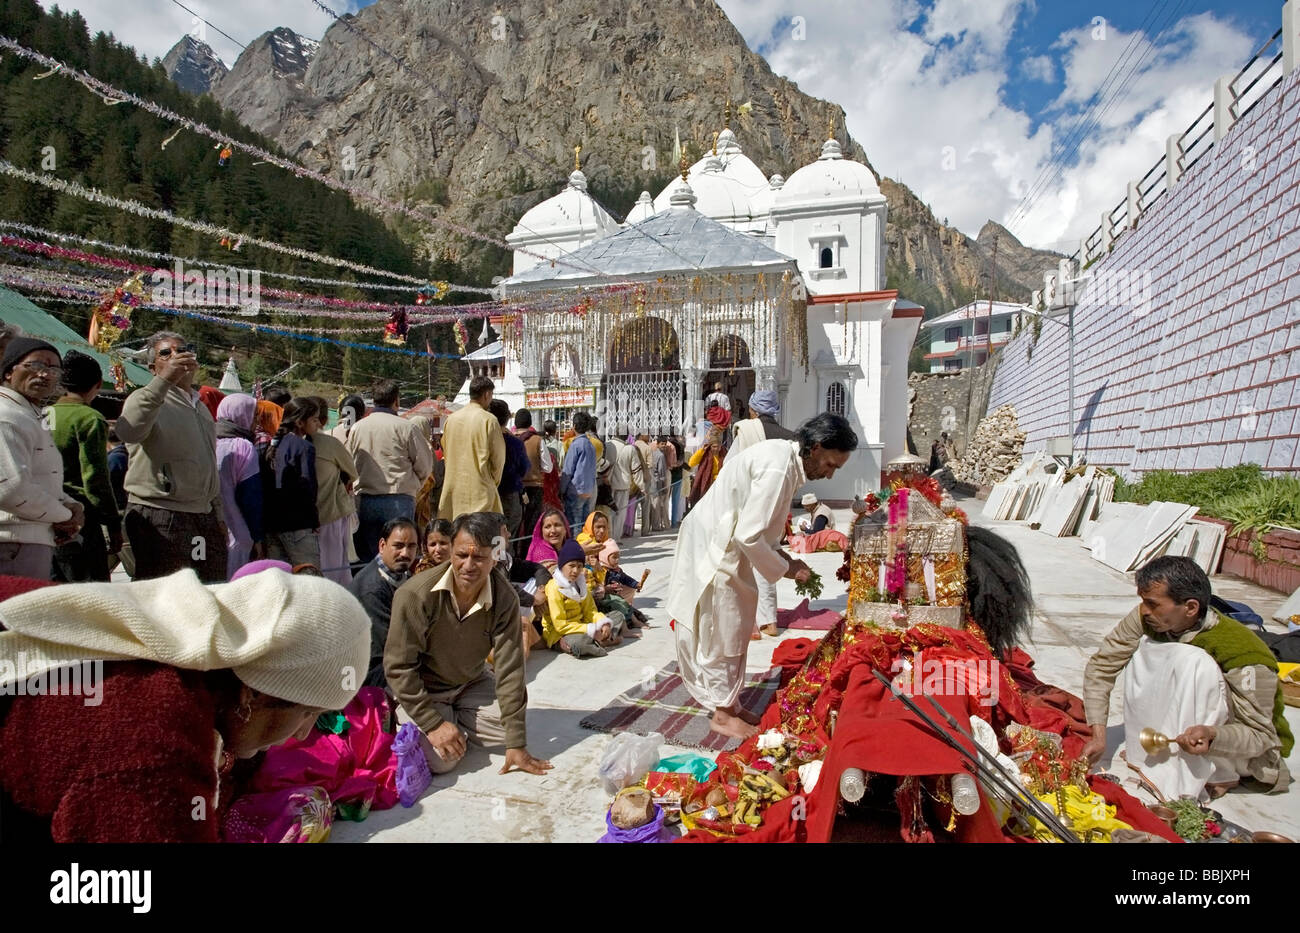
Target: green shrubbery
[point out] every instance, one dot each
(1242, 495)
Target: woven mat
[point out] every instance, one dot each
(668, 708)
(805, 619)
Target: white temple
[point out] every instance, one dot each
(726, 276)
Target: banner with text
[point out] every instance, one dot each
(561, 398)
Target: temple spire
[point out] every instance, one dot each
(577, 152)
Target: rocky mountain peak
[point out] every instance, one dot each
(482, 122)
(193, 65)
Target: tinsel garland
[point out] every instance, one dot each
(77, 190)
(446, 314)
(108, 262)
(81, 294)
(112, 95)
(363, 284)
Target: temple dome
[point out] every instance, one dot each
(571, 212)
(831, 177)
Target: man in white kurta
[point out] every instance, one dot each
(731, 535)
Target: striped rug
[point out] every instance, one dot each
(665, 706)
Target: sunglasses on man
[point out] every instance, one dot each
(168, 351)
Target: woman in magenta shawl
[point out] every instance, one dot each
(549, 534)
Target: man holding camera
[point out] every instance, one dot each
(173, 515)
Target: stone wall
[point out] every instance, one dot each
(1187, 335)
(952, 402)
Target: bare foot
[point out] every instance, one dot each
(748, 716)
(727, 724)
(756, 636)
(770, 629)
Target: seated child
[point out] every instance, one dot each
(612, 593)
(572, 623)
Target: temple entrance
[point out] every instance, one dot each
(730, 365)
(643, 387)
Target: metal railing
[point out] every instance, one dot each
(1251, 84)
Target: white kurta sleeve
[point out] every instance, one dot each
(763, 519)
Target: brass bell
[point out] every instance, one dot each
(1153, 742)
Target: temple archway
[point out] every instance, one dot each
(561, 367)
(731, 366)
(643, 386)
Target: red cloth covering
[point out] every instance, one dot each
(1129, 809)
(17, 586)
(358, 767)
(790, 655)
(875, 732)
(828, 539)
(719, 416)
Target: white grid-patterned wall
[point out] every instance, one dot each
(1187, 336)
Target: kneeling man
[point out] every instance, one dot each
(1194, 675)
(445, 620)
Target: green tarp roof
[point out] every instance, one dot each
(36, 322)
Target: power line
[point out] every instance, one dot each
(1122, 91)
(1077, 127)
(206, 23)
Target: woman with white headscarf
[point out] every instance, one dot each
(123, 706)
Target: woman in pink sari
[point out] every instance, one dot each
(549, 534)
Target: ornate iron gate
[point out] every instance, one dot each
(646, 403)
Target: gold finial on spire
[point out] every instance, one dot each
(684, 167)
(726, 114)
(715, 143)
(830, 127)
(577, 151)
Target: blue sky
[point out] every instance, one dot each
(969, 102)
(966, 101)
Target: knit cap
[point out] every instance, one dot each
(299, 638)
(18, 348)
(570, 550)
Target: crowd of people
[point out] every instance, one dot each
(446, 557)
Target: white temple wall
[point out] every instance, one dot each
(855, 235)
(900, 334)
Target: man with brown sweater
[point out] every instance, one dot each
(173, 515)
(444, 622)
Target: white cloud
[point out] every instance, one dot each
(909, 95)
(154, 27)
(1039, 68)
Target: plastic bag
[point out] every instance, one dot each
(413, 774)
(627, 759)
(697, 766)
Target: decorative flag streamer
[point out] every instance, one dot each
(135, 207)
(113, 95)
(190, 260)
